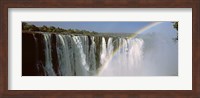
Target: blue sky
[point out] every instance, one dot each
(115, 27)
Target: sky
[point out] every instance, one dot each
(111, 27)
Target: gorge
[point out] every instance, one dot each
(145, 54)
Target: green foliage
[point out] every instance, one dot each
(28, 27)
(51, 29)
(175, 25)
(43, 28)
(24, 26)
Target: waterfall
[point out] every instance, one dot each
(109, 47)
(64, 57)
(150, 53)
(127, 59)
(92, 56)
(82, 67)
(103, 51)
(119, 56)
(48, 59)
(76, 55)
(147, 54)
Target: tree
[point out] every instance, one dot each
(31, 27)
(71, 31)
(51, 29)
(175, 25)
(24, 24)
(44, 28)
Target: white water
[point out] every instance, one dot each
(109, 47)
(152, 53)
(127, 60)
(48, 59)
(103, 51)
(63, 51)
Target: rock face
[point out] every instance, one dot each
(65, 55)
(33, 56)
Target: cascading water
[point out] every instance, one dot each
(103, 51)
(64, 55)
(48, 59)
(109, 47)
(126, 60)
(150, 53)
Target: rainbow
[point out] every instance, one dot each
(131, 36)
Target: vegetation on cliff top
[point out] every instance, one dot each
(52, 29)
(30, 27)
(175, 24)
